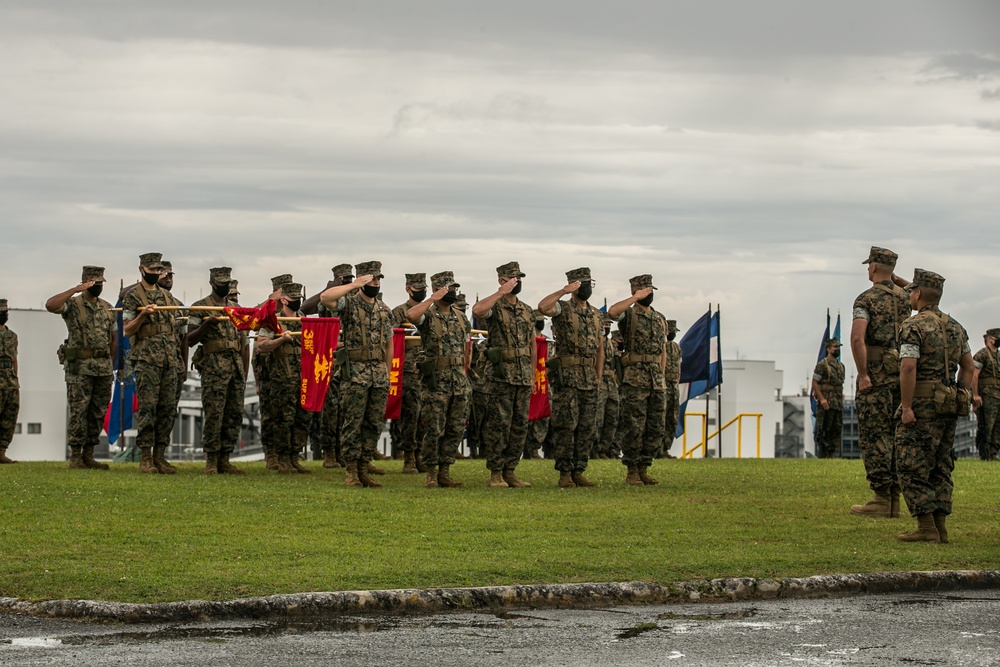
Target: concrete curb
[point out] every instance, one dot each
(565, 596)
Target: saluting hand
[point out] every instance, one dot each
(85, 286)
(572, 287)
(362, 281)
(643, 293)
(508, 286)
(439, 294)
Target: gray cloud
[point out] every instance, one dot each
(990, 95)
(964, 66)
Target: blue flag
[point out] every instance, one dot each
(701, 364)
(122, 406)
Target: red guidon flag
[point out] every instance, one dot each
(252, 319)
(319, 340)
(395, 400)
(539, 408)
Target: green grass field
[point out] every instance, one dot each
(122, 536)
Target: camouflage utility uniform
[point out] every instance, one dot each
(987, 362)
(829, 375)
(10, 389)
(608, 401)
(671, 376)
(410, 436)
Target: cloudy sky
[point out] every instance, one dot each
(744, 153)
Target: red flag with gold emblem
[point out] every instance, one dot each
(319, 340)
(395, 401)
(539, 407)
(252, 319)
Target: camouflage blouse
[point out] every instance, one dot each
(511, 328)
(578, 332)
(649, 339)
(924, 337)
(988, 364)
(830, 376)
(99, 325)
(443, 335)
(8, 353)
(284, 363)
(156, 342)
(368, 326)
(412, 346)
(672, 372)
(219, 352)
(884, 306)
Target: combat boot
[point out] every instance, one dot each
(351, 474)
(146, 461)
(372, 470)
(285, 466)
(632, 478)
(419, 462)
(879, 507)
(211, 463)
(566, 480)
(646, 479)
(496, 480)
(580, 480)
(409, 464)
(939, 523)
(513, 481)
(88, 460)
(363, 469)
(894, 504)
(76, 459)
(444, 477)
(329, 460)
(293, 459)
(432, 478)
(926, 531)
(227, 468)
(379, 456)
(160, 461)
(3, 456)
(271, 461)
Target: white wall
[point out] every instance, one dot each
(43, 386)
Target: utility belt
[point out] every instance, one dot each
(988, 382)
(498, 355)
(831, 390)
(6, 364)
(630, 358)
(444, 362)
(569, 360)
(412, 345)
(222, 344)
(366, 355)
(887, 356)
(81, 353)
(948, 401)
(287, 350)
(149, 329)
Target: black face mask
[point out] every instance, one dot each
(150, 278)
(419, 296)
(221, 291)
(295, 305)
(539, 326)
(95, 289)
(517, 288)
(371, 291)
(585, 291)
(646, 301)
(672, 335)
(450, 298)
(3, 318)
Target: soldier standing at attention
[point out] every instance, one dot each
(166, 281)
(90, 346)
(233, 299)
(828, 392)
(672, 376)
(157, 362)
(510, 375)
(363, 362)
(643, 391)
(445, 386)
(10, 389)
(607, 399)
(221, 360)
(290, 421)
(261, 374)
(878, 313)
(933, 346)
(986, 394)
(409, 412)
(575, 373)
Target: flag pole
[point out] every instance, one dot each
(708, 370)
(718, 387)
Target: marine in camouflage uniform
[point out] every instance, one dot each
(574, 373)
(329, 430)
(166, 281)
(157, 363)
(878, 313)
(828, 391)
(510, 375)
(672, 377)
(608, 400)
(643, 390)
(409, 412)
(87, 353)
(290, 421)
(221, 361)
(363, 363)
(261, 373)
(933, 346)
(986, 394)
(445, 388)
(10, 389)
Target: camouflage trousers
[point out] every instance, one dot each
(10, 405)
(574, 427)
(362, 417)
(608, 402)
(829, 431)
(923, 460)
(506, 426)
(156, 389)
(538, 433)
(876, 430)
(640, 427)
(88, 397)
(444, 416)
(990, 415)
(410, 433)
(672, 414)
(222, 411)
(329, 429)
(477, 421)
(289, 420)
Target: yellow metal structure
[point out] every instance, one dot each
(706, 436)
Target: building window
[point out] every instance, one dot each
(17, 428)
(34, 429)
